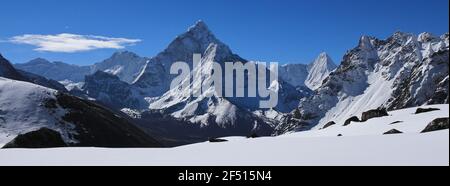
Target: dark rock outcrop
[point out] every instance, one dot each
(217, 140)
(253, 135)
(100, 127)
(437, 124)
(329, 124)
(42, 138)
(350, 120)
(111, 91)
(393, 131)
(424, 110)
(373, 114)
(396, 122)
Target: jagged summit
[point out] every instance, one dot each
(427, 37)
(323, 59)
(401, 71)
(155, 78)
(196, 39)
(199, 26)
(319, 70)
(124, 53)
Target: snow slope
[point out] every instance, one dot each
(22, 110)
(362, 144)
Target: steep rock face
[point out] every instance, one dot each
(8, 71)
(111, 91)
(401, 71)
(294, 74)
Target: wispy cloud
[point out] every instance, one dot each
(70, 43)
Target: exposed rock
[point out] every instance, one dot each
(97, 126)
(396, 122)
(437, 124)
(350, 120)
(111, 91)
(423, 110)
(253, 135)
(373, 114)
(329, 124)
(339, 135)
(42, 138)
(393, 131)
(417, 68)
(217, 140)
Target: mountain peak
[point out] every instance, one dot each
(199, 26)
(39, 61)
(196, 40)
(319, 70)
(200, 32)
(323, 60)
(366, 42)
(426, 37)
(324, 56)
(124, 53)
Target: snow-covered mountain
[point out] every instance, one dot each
(294, 74)
(7, 70)
(319, 70)
(26, 107)
(220, 115)
(113, 92)
(311, 76)
(126, 65)
(58, 71)
(402, 71)
(212, 115)
(156, 78)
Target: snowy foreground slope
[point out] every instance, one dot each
(26, 107)
(361, 144)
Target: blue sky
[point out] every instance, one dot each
(293, 31)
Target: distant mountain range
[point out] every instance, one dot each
(400, 72)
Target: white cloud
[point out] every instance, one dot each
(70, 43)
